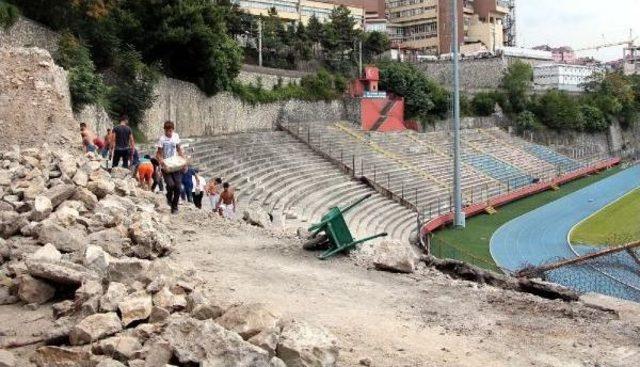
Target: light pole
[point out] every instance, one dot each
(459, 219)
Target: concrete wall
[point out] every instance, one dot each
(27, 33)
(268, 77)
(195, 114)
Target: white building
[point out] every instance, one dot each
(562, 76)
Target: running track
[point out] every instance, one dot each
(540, 236)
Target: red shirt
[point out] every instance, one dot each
(99, 143)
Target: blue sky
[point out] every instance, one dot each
(578, 23)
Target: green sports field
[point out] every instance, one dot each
(472, 243)
(616, 224)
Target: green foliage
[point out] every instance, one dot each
(131, 92)
(592, 119)
(322, 86)
(9, 15)
(516, 83)
(85, 85)
(484, 103)
(425, 100)
(558, 110)
(526, 121)
(374, 44)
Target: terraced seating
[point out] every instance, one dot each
(288, 179)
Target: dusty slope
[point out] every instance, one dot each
(425, 319)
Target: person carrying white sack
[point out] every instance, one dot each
(172, 159)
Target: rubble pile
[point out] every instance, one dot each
(92, 246)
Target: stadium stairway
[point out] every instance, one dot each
(283, 175)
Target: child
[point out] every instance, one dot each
(145, 172)
(213, 192)
(199, 184)
(226, 206)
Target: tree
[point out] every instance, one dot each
(187, 38)
(526, 121)
(557, 110)
(484, 104)
(516, 83)
(374, 44)
(314, 29)
(424, 99)
(85, 85)
(339, 39)
(592, 119)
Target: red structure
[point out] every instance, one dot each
(379, 111)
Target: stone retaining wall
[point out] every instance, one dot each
(28, 33)
(195, 114)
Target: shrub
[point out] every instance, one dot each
(592, 119)
(526, 121)
(558, 110)
(85, 85)
(131, 91)
(9, 15)
(516, 84)
(484, 104)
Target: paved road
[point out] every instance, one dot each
(540, 236)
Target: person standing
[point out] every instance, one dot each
(122, 143)
(168, 146)
(88, 145)
(107, 144)
(187, 184)
(199, 186)
(213, 191)
(227, 204)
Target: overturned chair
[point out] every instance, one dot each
(333, 235)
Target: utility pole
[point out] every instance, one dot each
(360, 58)
(260, 42)
(459, 219)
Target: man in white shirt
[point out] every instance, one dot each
(199, 186)
(168, 146)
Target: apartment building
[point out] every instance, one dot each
(426, 25)
(301, 10)
(564, 77)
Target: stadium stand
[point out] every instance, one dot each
(300, 172)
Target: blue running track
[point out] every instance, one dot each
(540, 236)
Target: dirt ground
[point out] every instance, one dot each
(423, 319)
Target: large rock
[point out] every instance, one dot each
(60, 193)
(42, 207)
(48, 252)
(81, 178)
(95, 258)
(126, 270)
(248, 320)
(135, 307)
(7, 359)
(267, 339)
(121, 348)
(101, 188)
(95, 327)
(303, 345)
(110, 211)
(256, 215)
(64, 239)
(169, 301)
(159, 353)
(11, 222)
(112, 240)
(32, 290)
(89, 289)
(209, 344)
(50, 356)
(60, 272)
(150, 239)
(108, 362)
(66, 216)
(116, 293)
(395, 256)
(88, 198)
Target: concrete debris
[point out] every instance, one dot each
(302, 344)
(248, 320)
(50, 356)
(135, 307)
(95, 327)
(257, 216)
(395, 256)
(32, 290)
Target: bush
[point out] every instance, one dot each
(131, 92)
(516, 84)
(425, 100)
(526, 121)
(9, 15)
(484, 104)
(558, 110)
(85, 85)
(592, 119)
